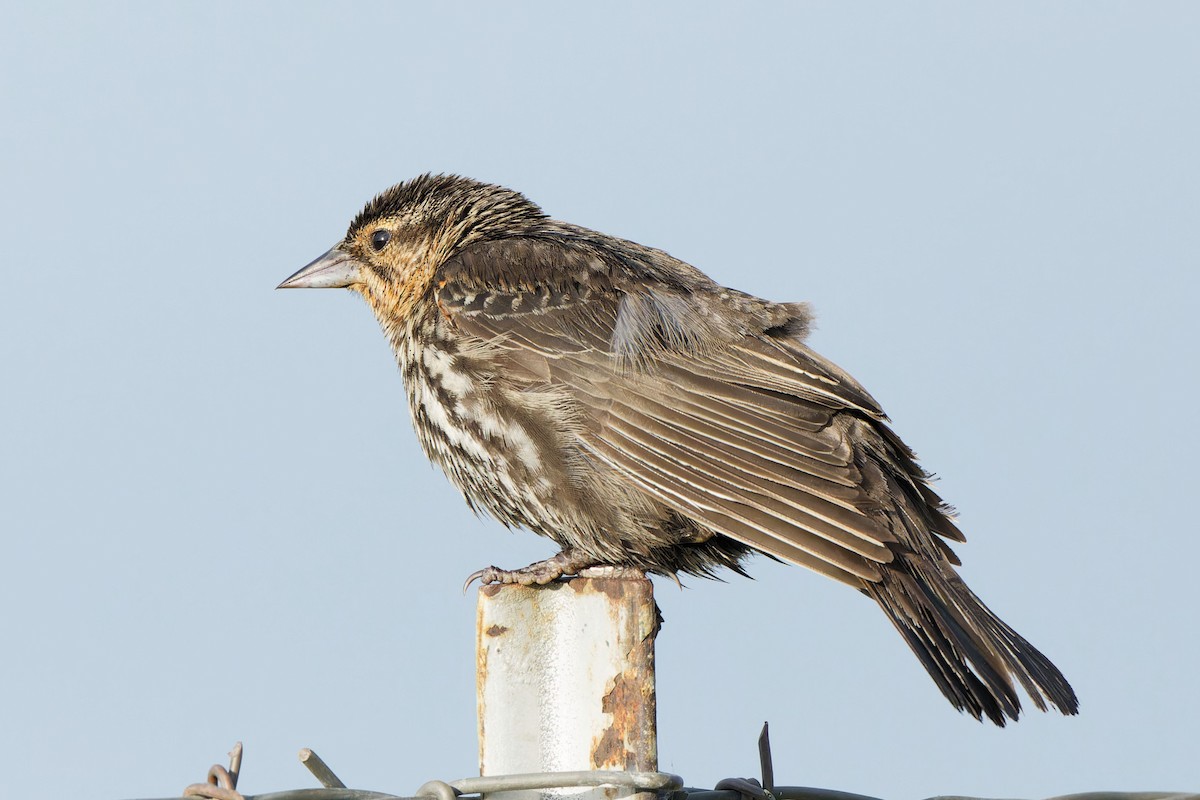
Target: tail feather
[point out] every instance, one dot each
(970, 653)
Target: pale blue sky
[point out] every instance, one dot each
(217, 524)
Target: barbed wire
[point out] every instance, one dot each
(221, 784)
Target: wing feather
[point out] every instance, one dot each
(759, 467)
(796, 515)
(744, 436)
(725, 518)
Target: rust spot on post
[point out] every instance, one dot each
(496, 630)
(630, 742)
(615, 588)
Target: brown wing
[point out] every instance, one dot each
(707, 400)
(744, 430)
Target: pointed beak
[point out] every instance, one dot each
(335, 269)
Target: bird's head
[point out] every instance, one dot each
(393, 248)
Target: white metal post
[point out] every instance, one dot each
(566, 680)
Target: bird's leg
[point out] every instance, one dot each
(539, 573)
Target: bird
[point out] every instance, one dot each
(621, 403)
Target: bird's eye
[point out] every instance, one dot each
(380, 238)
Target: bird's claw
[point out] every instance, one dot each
(538, 573)
(478, 575)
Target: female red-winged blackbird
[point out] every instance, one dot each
(618, 401)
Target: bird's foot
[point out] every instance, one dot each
(539, 573)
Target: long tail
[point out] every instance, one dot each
(971, 653)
